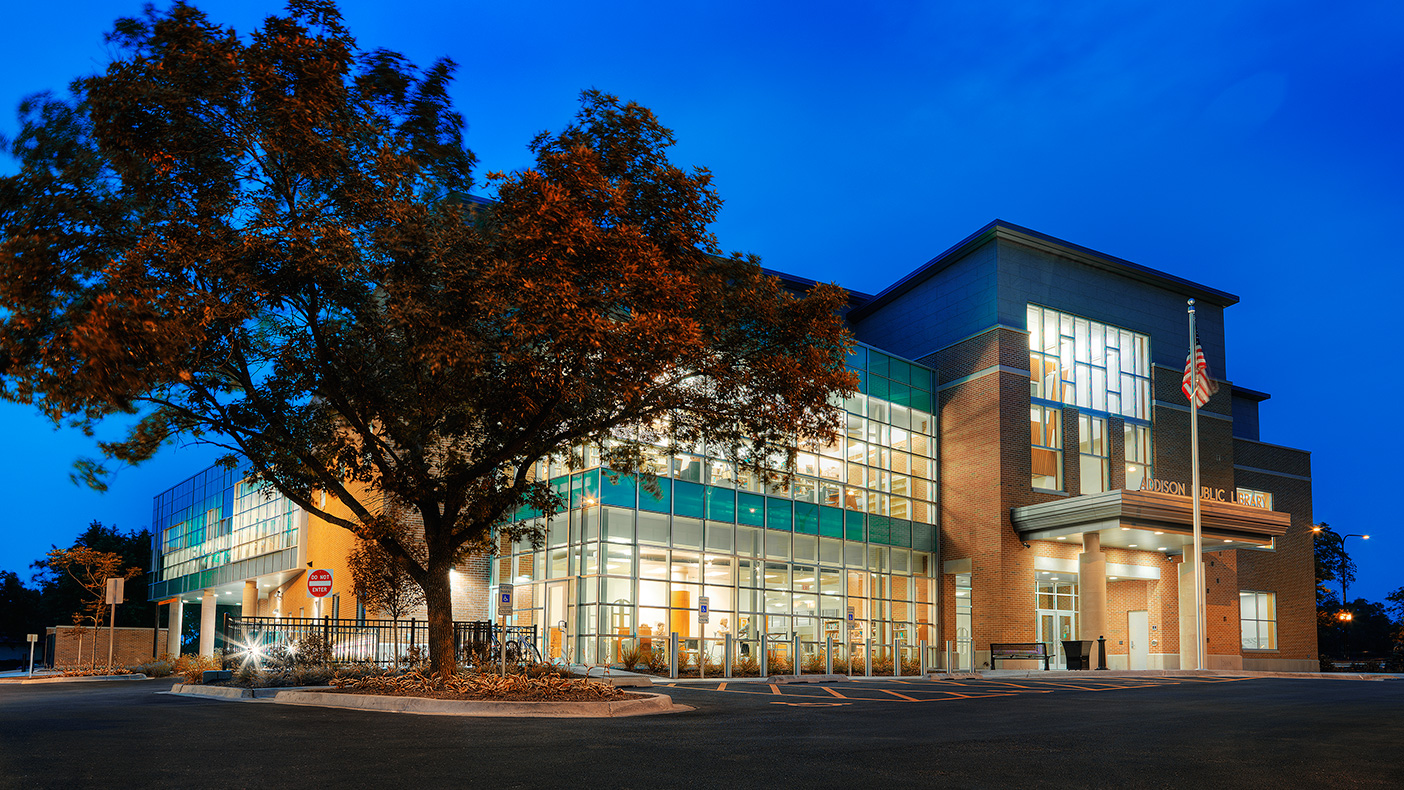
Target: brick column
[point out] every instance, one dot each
(1092, 587)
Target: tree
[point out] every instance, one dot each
(263, 243)
(89, 569)
(61, 595)
(383, 585)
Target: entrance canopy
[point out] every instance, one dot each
(1150, 521)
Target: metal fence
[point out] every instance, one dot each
(386, 642)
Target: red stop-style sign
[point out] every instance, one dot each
(319, 582)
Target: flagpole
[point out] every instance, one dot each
(1199, 649)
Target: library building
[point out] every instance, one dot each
(1014, 470)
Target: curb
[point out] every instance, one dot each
(63, 679)
(652, 703)
(234, 692)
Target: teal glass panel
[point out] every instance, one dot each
(721, 504)
(878, 387)
(621, 493)
(901, 532)
(862, 382)
(688, 499)
(777, 514)
(661, 502)
(921, 379)
(877, 363)
(830, 522)
(750, 509)
(590, 488)
(899, 371)
(852, 525)
(922, 401)
(878, 529)
(560, 486)
(923, 537)
(807, 518)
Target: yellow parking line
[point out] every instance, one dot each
(722, 687)
(835, 693)
(903, 696)
(774, 689)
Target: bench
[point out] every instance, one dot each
(1019, 650)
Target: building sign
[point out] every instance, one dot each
(1242, 496)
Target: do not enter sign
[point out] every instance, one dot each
(319, 582)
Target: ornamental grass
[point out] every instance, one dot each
(481, 686)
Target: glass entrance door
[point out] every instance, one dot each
(1056, 597)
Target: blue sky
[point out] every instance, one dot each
(1254, 147)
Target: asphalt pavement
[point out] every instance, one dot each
(1169, 732)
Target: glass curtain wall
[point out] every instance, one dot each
(1104, 371)
(216, 518)
(855, 529)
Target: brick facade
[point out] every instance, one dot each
(985, 472)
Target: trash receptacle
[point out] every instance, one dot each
(1078, 653)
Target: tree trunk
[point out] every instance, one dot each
(438, 598)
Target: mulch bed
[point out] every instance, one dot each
(491, 698)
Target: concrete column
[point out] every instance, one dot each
(250, 599)
(1092, 587)
(175, 622)
(1189, 657)
(207, 623)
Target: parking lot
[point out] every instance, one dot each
(901, 690)
(1113, 732)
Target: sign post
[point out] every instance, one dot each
(504, 608)
(848, 640)
(116, 587)
(32, 639)
(703, 616)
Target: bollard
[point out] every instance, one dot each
(922, 658)
(829, 655)
(764, 656)
(1101, 652)
(726, 655)
(868, 657)
(949, 667)
(896, 658)
(795, 656)
(673, 655)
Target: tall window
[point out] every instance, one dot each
(1047, 442)
(1138, 455)
(1088, 364)
(1094, 453)
(1258, 619)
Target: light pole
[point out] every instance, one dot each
(1343, 563)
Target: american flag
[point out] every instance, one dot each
(1199, 387)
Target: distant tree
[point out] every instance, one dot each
(383, 585)
(262, 243)
(1396, 605)
(19, 608)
